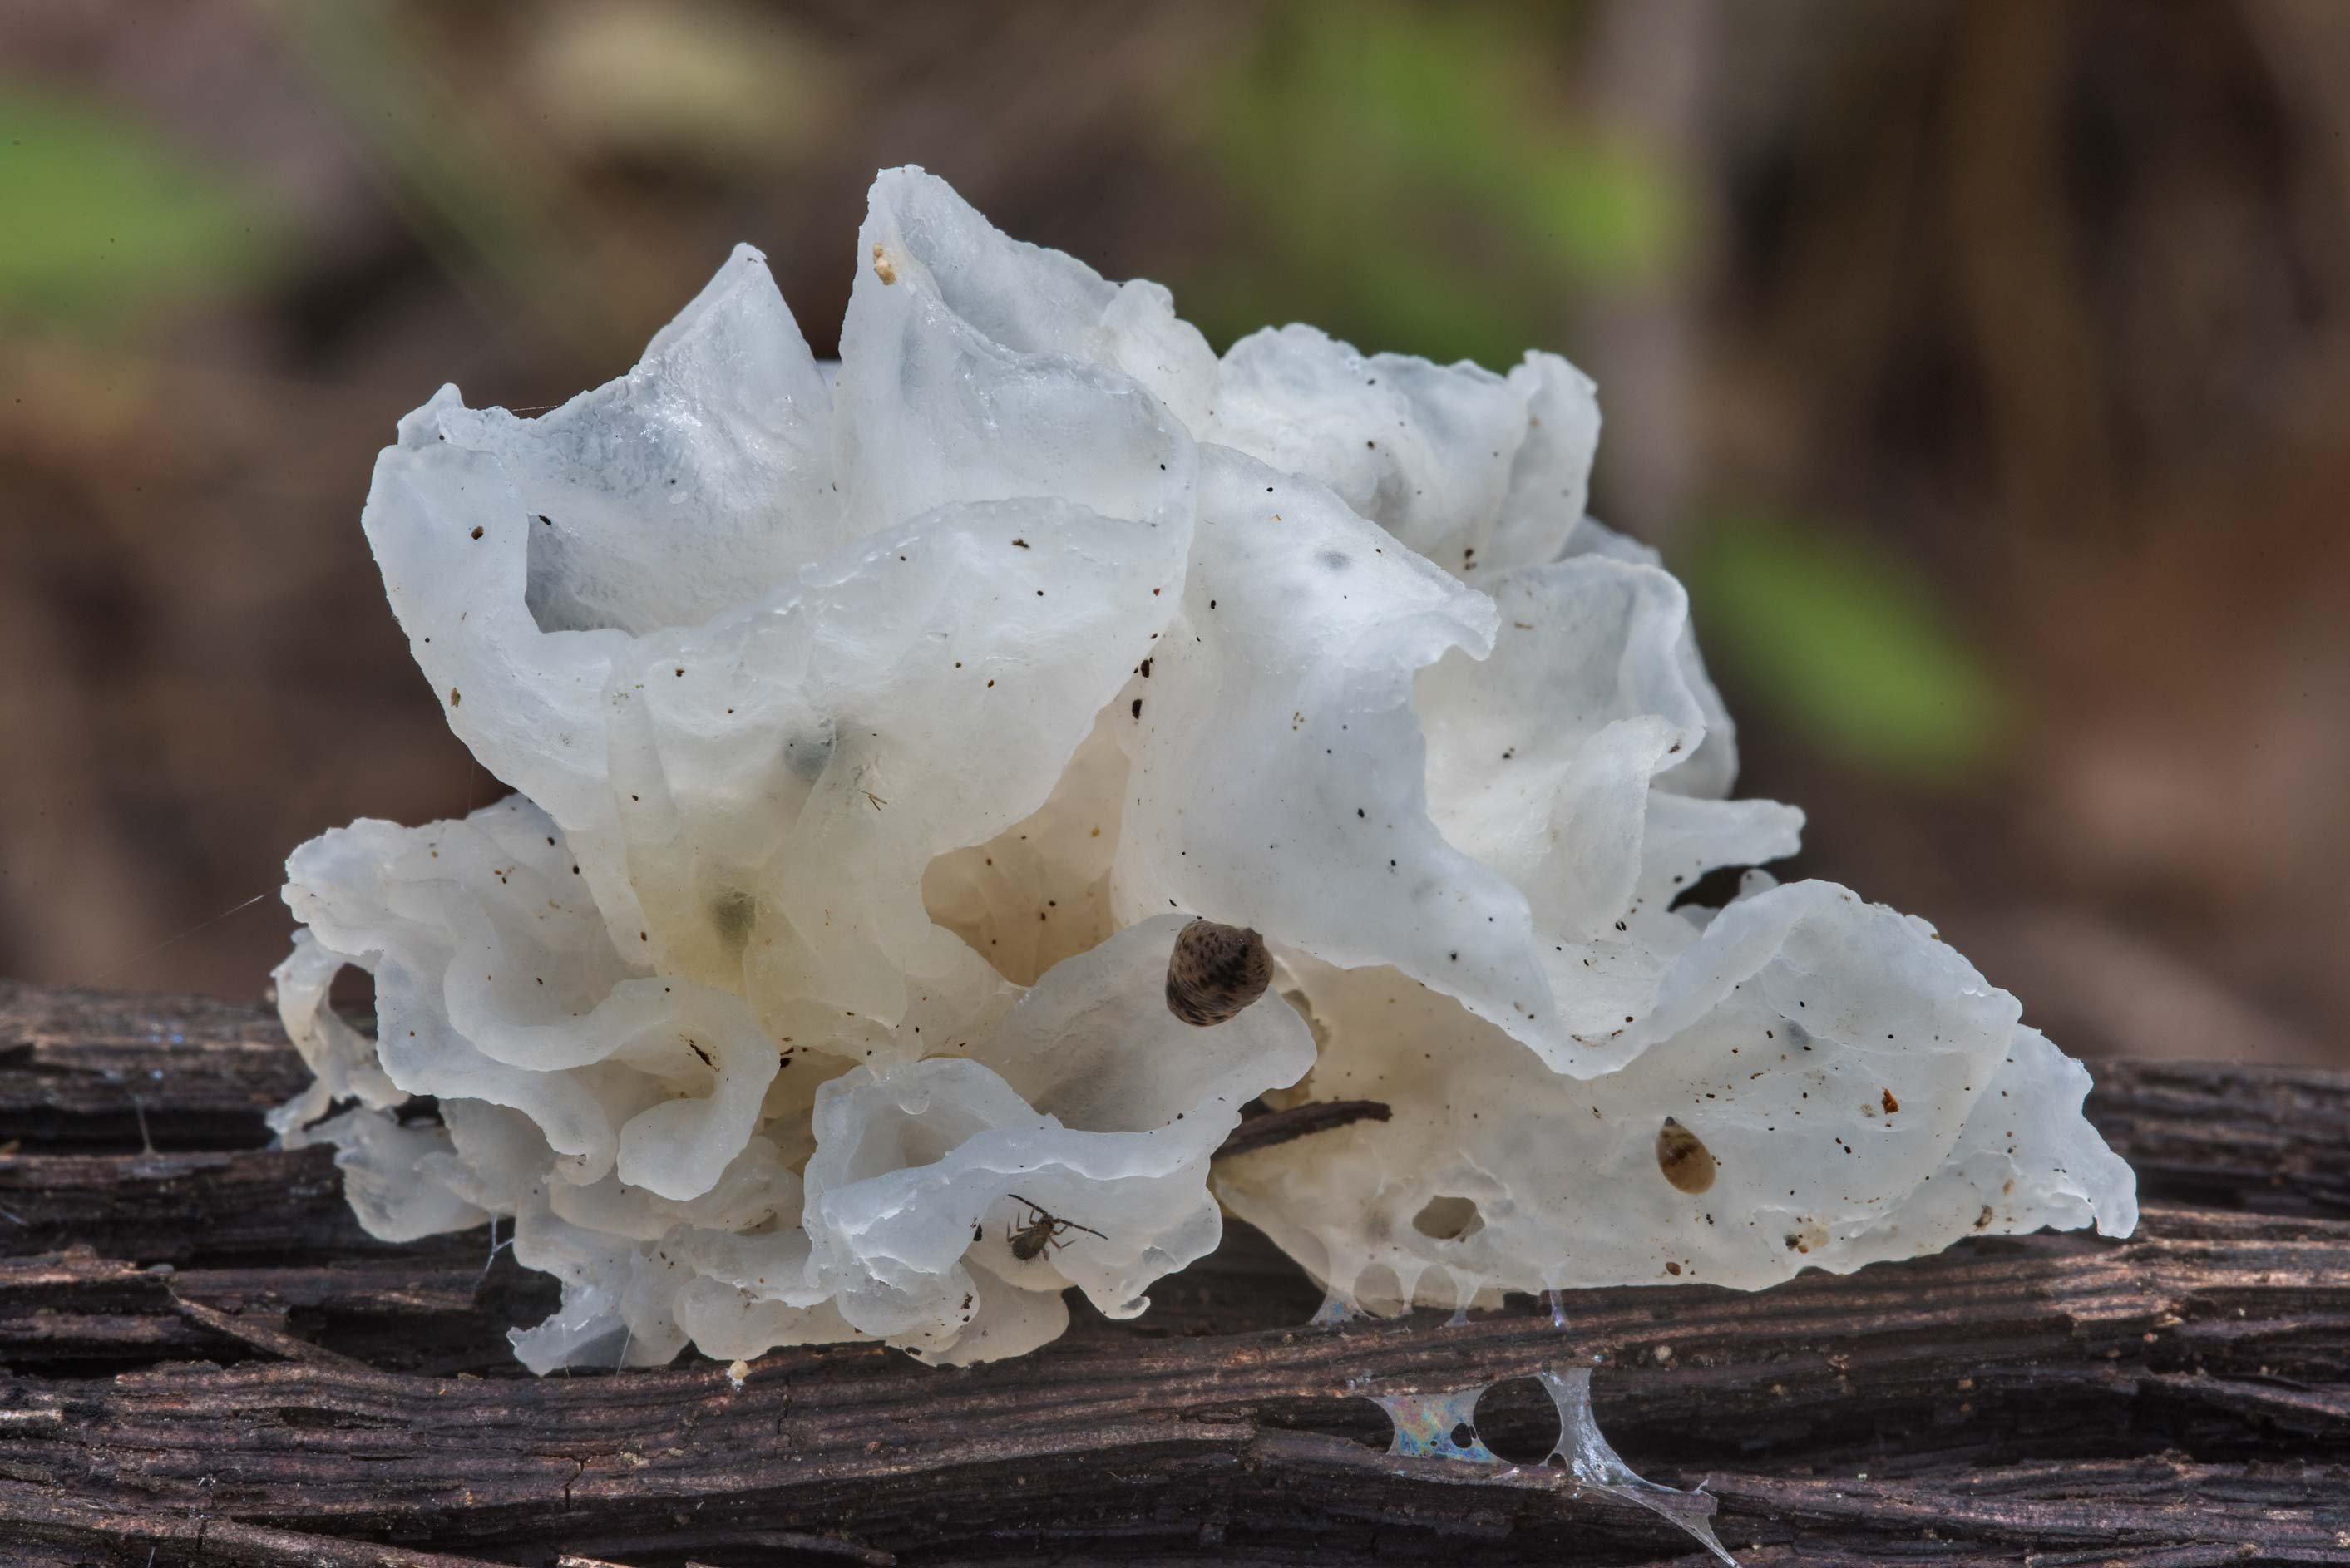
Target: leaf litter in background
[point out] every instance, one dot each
(1848, 645)
(102, 223)
(707, 86)
(1416, 180)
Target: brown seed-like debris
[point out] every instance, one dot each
(1215, 971)
(1687, 1163)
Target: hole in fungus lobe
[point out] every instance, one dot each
(1712, 890)
(1448, 1218)
(350, 997)
(1517, 1420)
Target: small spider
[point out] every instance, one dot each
(1042, 1231)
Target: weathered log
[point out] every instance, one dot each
(204, 1359)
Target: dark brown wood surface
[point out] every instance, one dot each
(202, 1359)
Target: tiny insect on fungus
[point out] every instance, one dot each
(1045, 1230)
(1215, 971)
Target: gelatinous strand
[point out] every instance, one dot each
(1437, 1426)
(1443, 1426)
(1215, 971)
(1591, 1462)
(1336, 1308)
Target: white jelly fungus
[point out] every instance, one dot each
(876, 732)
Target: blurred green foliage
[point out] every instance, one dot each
(1416, 178)
(1418, 182)
(102, 223)
(1850, 646)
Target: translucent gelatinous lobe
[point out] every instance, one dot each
(1444, 1426)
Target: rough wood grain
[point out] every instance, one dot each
(203, 1358)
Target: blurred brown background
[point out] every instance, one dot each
(1982, 365)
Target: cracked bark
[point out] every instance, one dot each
(203, 1358)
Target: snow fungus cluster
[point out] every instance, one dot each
(880, 730)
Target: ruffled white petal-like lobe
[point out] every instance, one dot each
(1839, 1066)
(341, 1060)
(1278, 773)
(1090, 1102)
(1424, 451)
(1550, 481)
(701, 477)
(921, 698)
(1546, 762)
(974, 367)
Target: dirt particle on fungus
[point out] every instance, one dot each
(545, 519)
(455, 696)
(1983, 1219)
(1020, 544)
(1146, 670)
(1683, 1157)
(1137, 707)
(1890, 1104)
(882, 268)
(477, 530)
